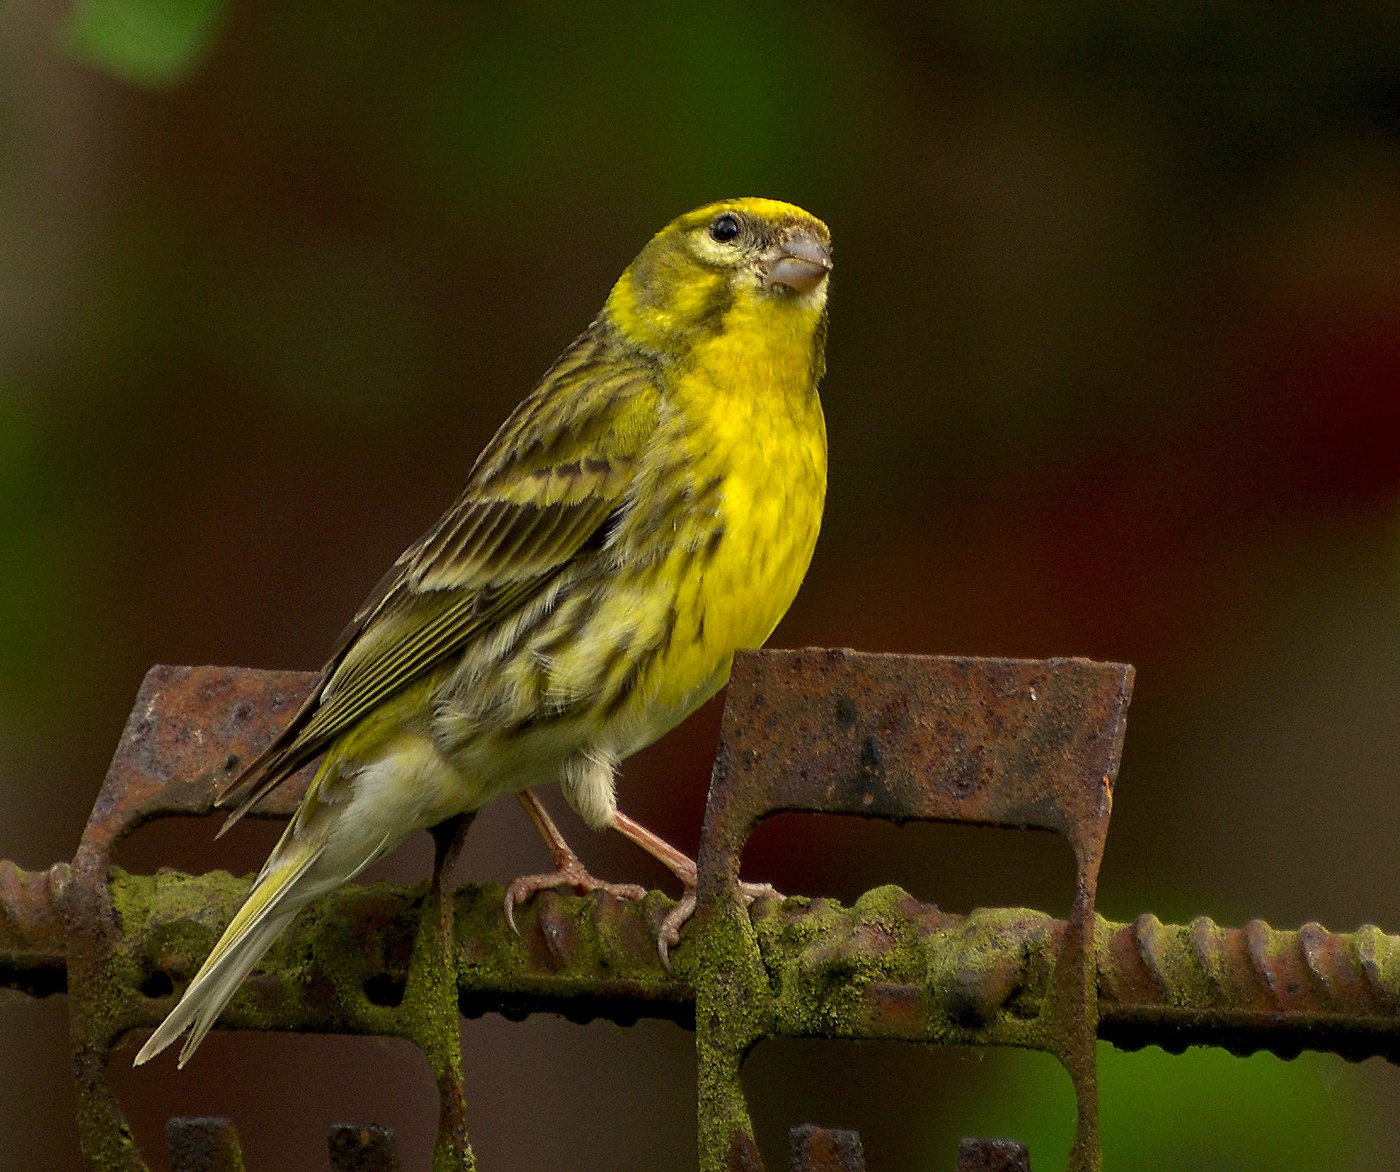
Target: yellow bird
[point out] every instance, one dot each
(649, 509)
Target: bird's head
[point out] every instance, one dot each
(747, 256)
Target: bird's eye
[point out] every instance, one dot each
(725, 228)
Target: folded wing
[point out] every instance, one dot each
(546, 491)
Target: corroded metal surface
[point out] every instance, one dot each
(993, 1155)
(996, 742)
(363, 1149)
(207, 1143)
(1251, 988)
(824, 1149)
(189, 730)
(888, 967)
(33, 953)
(1026, 744)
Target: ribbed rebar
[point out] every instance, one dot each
(889, 966)
(1250, 988)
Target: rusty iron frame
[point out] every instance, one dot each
(1022, 744)
(211, 1144)
(816, 729)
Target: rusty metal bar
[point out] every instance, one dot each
(210, 1144)
(1017, 743)
(203, 1143)
(993, 1155)
(824, 1149)
(33, 952)
(1251, 988)
(1005, 742)
(363, 1149)
(586, 957)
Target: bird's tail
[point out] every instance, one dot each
(279, 893)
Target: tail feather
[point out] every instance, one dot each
(224, 981)
(262, 917)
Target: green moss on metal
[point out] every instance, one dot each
(176, 917)
(365, 960)
(821, 962)
(822, 959)
(1188, 982)
(107, 1145)
(430, 1018)
(111, 992)
(1006, 956)
(733, 1010)
(1378, 955)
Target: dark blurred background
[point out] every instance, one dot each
(1114, 371)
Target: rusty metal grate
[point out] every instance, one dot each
(1005, 742)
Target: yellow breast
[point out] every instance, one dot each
(753, 429)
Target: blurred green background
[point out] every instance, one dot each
(1114, 371)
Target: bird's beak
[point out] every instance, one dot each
(799, 260)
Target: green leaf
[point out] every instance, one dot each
(153, 43)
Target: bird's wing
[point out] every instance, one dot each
(547, 487)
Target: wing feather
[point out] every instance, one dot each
(543, 492)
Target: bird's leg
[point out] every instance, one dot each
(568, 871)
(682, 866)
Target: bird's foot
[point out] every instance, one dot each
(670, 933)
(683, 867)
(569, 872)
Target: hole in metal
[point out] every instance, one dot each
(384, 991)
(157, 984)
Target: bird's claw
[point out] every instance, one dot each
(669, 934)
(570, 873)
